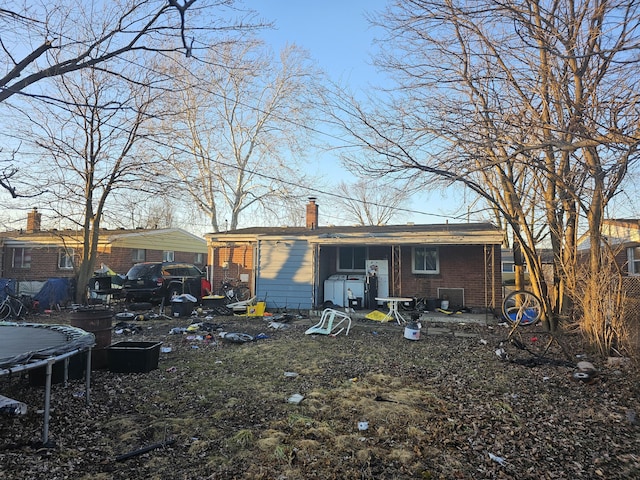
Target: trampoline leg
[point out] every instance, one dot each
(87, 380)
(66, 371)
(47, 403)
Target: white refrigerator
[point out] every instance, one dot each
(379, 269)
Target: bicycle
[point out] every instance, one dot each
(13, 306)
(523, 310)
(234, 292)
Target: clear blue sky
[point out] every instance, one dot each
(338, 36)
(340, 39)
(334, 32)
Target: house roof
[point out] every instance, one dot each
(152, 239)
(618, 232)
(448, 233)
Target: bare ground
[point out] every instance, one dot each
(443, 407)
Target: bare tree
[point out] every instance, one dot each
(136, 27)
(529, 104)
(371, 201)
(244, 121)
(88, 151)
(41, 41)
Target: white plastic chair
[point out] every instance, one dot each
(329, 321)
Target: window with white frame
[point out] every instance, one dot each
(21, 258)
(138, 254)
(351, 258)
(198, 258)
(168, 256)
(65, 259)
(633, 260)
(425, 260)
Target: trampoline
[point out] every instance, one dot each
(27, 346)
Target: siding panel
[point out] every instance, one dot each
(285, 274)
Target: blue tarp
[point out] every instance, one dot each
(55, 291)
(4, 282)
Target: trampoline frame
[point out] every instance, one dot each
(81, 341)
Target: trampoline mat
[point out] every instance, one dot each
(21, 343)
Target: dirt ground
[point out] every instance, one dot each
(375, 405)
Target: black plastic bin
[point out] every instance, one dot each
(182, 309)
(133, 357)
(356, 303)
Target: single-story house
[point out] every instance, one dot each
(35, 255)
(306, 267)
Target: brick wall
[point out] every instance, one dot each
(44, 262)
(229, 262)
(44, 265)
(461, 266)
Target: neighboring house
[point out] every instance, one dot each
(34, 255)
(623, 236)
(298, 267)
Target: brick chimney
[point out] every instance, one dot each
(312, 214)
(33, 221)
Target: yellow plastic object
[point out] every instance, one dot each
(376, 315)
(256, 310)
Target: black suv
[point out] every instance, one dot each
(157, 281)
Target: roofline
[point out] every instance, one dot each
(445, 234)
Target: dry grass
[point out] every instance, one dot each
(435, 408)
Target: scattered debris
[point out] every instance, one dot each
(236, 337)
(382, 399)
(497, 459)
(586, 373)
(9, 406)
(124, 328)
(586, 366)
(277, 325)
(296, 398)
(142, 450)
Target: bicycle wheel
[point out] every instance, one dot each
(522, 307)
(243, 293)
(5, 310)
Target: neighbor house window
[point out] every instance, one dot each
(198, 258)
(65, 259)
(633, 260)
(352, 258)
(167, 256)
(21, 258)
(138, 254)
(510, 267)
(425, 260)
